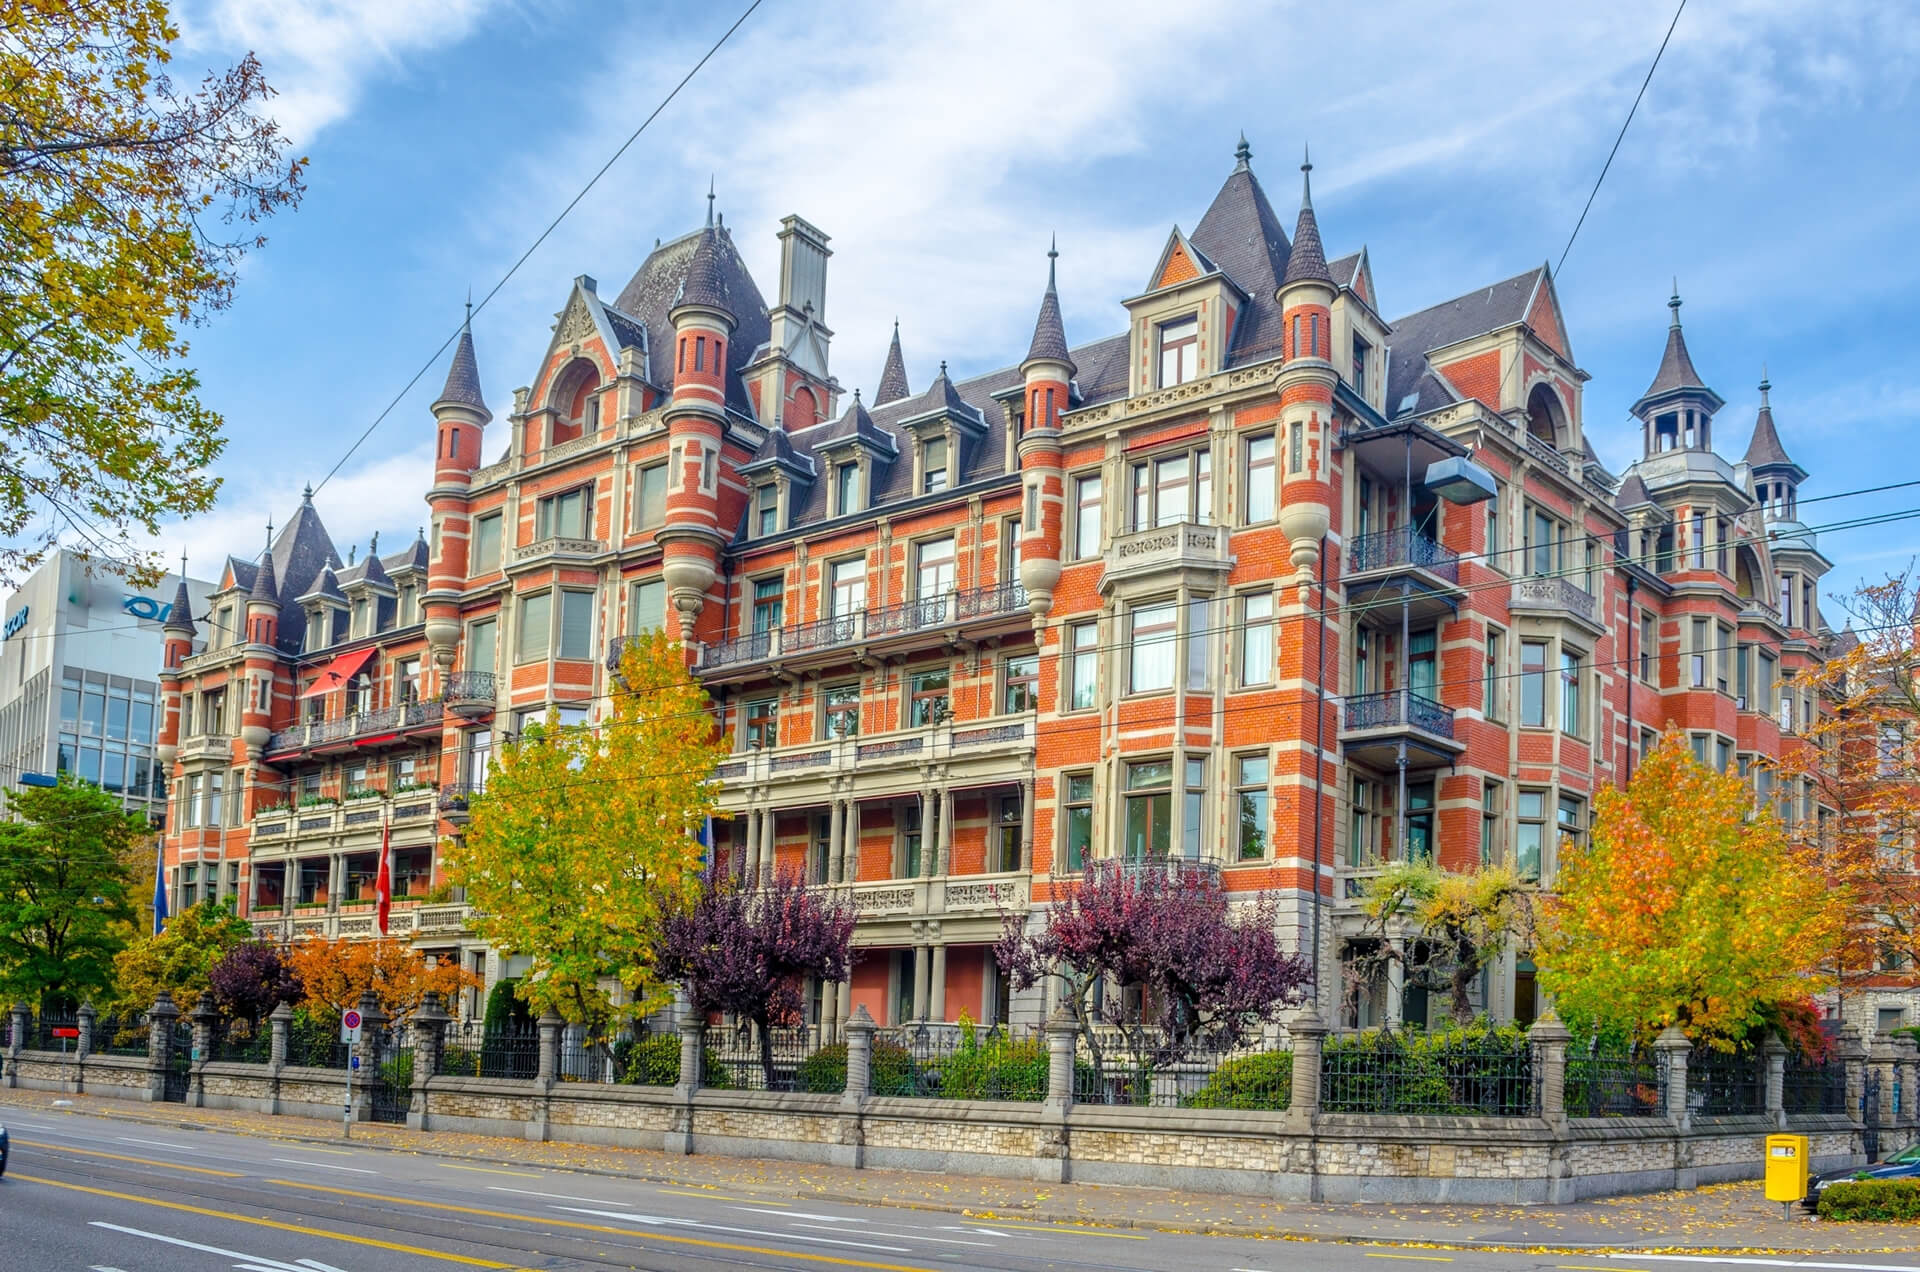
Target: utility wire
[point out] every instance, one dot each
(1617, 140)
(551, 226)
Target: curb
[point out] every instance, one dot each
(1064, 1218)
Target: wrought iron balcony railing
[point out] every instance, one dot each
(1398, 708)
(931, 613)
(1403, 547)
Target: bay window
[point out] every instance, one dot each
(1173, 488)
(1151, 643)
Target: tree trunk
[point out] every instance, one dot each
(766, 1051)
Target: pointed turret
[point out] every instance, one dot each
(1776, 478)
(1308, 260)
(1049, 333)
(461, 417)
(463, 374)
(893, 376)
(1676, 412)
(180, 613)
(1765, 450)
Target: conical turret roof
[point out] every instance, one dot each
(180, 613)
(1765, 450)
(1049, 333)
(893, 376)
(1308, 261)
(1676, 373)
(706, 281)
(463, 374)
(265, 588)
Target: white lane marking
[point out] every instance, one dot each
(101, 1267)
(178, 1148)
(797, 1214)
(675, 1222)
(903, 1236)
(38, 1126)
(296, 1161)
(528, 1192)
(1020, 1236)
(251, 1262)
(1765, 1263)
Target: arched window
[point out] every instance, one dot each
(1546, 418)
(576, 409)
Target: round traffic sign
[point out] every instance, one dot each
(351, 1020)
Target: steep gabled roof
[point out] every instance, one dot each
(1476, 313)
(1241, 234)
(1676, 373)
(1765, 450)
(893, 376)
(651, 293)
(1632, 492)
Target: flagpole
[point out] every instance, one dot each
(159, 883)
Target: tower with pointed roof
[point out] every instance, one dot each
(696, 419)
(893, 376)
(262, 659)
(1306, 382)
(1048, 372)
(1676, 412)
(178, 632)
(1776, 478)
(460, 414)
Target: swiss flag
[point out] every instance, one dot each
(383, 882)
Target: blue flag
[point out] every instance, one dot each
(706, 842)
(159, 889)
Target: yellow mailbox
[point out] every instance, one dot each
(1786, 1167)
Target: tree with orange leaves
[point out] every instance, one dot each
(1688, 908)
(336, 973)
(1855, 756)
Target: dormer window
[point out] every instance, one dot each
(766, 509)
(1358, 379)
(933, 465)
(362, 626)
(846, 490)
(1179, 351)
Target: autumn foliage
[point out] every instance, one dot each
(1689, 907)
(335, 973)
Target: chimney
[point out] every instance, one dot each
(803, 297)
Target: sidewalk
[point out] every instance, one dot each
(1725, 1218)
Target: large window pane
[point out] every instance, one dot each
(536, 622)
(486, 544)
(576, 624)
(1084, 673)
(481, 639)
(1086, 517)
(1533, 683)
(647, 611)
(1152, 648)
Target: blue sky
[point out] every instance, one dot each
(1773, 168)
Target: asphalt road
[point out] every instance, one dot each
(90, 1195)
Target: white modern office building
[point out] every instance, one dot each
(79, 649)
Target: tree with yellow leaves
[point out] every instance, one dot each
(585, 832)
(1444, 927)
(1689, 907)
(1852, 763)
(126, 204)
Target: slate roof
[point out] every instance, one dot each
(1345, 270)
(1632, 492)
(1049, 334)
(264, 588)
(301, 551)
(1765, 450)
(893, 376)
(1308, 260)
(180, 616)
(463, 374)
(651, 293)
(1242, 235)
(1477, 312)
(1676, 371)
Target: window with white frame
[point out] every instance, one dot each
(766, 509)
(406, 680)
(535, 628)
(1254, 646)
(1077, 814)
(646, 606)
(1251, 803)
(840, 710)
(564, 515)
(1153, 637)
(1083, 666)
(1572, 668)
(846, 587)
(1260, 479)
(1530, 834)
(760, 720)
(1019, 683)
(934, 466)
(649, 496)
(1179, 351)
(1086, 517)
(482, 637)
(934, 568)
(846, 488)
(1171, 488)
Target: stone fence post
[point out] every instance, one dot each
(857, 1029)
(429, 1038)
(17, 1041)
(373, 1023)
(551, 1026)
(1549, 1038)
(693, 1040)
(1885, 1062)
(1773, 1053)
(1905, 1053)
(1853, 1054)
(1309, 1034)
(85, 1018)
(1672, 1047)
(204, 1018)
(1063, 1036)
(160, 1018)
(281, 1022)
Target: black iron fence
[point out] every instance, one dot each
(512, 1052)
(1726, 1083)
(961, 1063)
(1810, 1086)
(1194, 1077)
(735, 1060)
(244, 1043)
(121, 1036)
(54, 1033)
(1615, 1082)
(1471, 1074)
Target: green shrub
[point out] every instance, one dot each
(460, 1062)
(1260, 1081)
(1000, 1068)
(505, 1011)
(312, 1038)
(1872, 1199)
(1475, 1070)
(655, 1061)
(398, 1072)
(824, 1072)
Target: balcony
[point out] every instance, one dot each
(454, 800)
(1554, 598)
(985, 896)
(557, 549)
(1003, 741)
(362, 728)
(280, 829)
(1165, 555)
(1374, 727)
(470, 694)
(974, 612)
(1172, 869)
(410, 918)
(1392, 566)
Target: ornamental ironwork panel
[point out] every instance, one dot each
(1402, 547)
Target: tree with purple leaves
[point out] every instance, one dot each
(1153, 951)
(252, 979)
(745, 949)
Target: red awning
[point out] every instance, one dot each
(337, 673)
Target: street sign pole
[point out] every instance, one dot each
(349, 1034)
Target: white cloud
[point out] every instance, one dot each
(319, 55)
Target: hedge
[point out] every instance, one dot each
(825, 1071)
(1476, 1069)
(655, 1061)
(1872, 1199)
(1260, 1081)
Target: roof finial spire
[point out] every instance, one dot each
(1053, 254)
(1673, 302)
(1242, 153)
(467, 323)
(183, 564)
(1766, 386)
(269, 534)
(307, 497)
(709, 201)
(1306, 175)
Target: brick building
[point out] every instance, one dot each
(1181, 592)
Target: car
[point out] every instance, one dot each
(1904, 1164)
(3, 1150)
